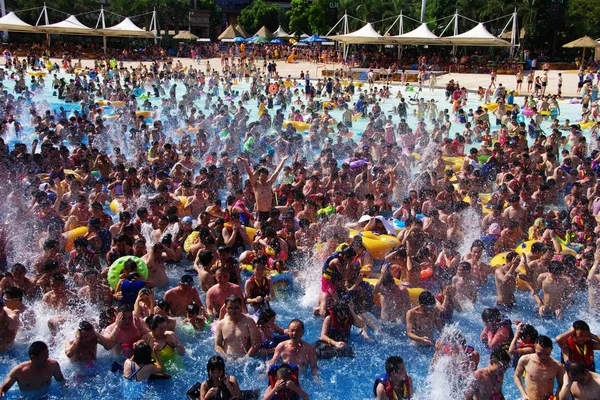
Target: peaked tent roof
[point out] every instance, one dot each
(280, 33)
(10, 22)
(420, 35)
(265, 32)
(366, 34)
(126, 28)
(229, 33)
(70, 26)
(185, 35)
(584, 42)
(241, 30)
(478, 36)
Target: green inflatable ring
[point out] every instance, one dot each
(115, 269)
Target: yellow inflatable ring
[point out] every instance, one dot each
(115, 269)
(586, 125)
(498, 260)
(116, 206)
(377, 245)
(75, 174)
(327, 104)
(249, 230)
(37, 73)
(189, 241)
(288, 84)
(490, 106)
(520, 282)
(73, 234)
(356, 116)
(525, 247)
(413, 293)
(143, 113)
(181, 205)
(300, 126)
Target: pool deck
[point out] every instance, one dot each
(468, 80)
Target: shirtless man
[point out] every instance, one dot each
(197, 203)
(155, 260)
(34, 375)
(236, 334)
(423, 320)
(180, 297)
(478, 268)
(579, 383)
(85, 344)
(517, 212)
(554, 288)
(465, 283)
(540, 371)
(295, 350)
(94, 291)
(506, 281)
(487, 382)
(125, 331)
(59, 297)
(262, 185)
(9, 326)
(216, 295)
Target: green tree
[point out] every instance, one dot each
(298, 15)
(258, 14)
(582, 18)
(317, 17)
(171, 14)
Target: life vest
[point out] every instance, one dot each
(583, 354)
(259, 289)
(339, 330)
(330, 273)
(384, 379)
(285, 393)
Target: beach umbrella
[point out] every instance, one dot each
(261, 40)
(251, 38)
(185, 35)
(277, 41)
(584, 42)
(239, 39)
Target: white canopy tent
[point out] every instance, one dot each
(419, 36)
(126, 28)
(478, 36)
(365, 35)
(70, 26)
(10, 22)
(281, 34)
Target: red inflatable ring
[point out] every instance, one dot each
(274, 88)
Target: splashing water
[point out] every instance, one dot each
(471, 229)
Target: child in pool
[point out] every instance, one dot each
(270, 333)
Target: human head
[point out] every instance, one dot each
(577, 371)
(543, 348)
(499, 360)
(215, 363)
(427, 299)
(491, 316)
(394, 364)
(142, 353)
(38, 351)
(581, 332)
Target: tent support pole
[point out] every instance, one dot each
(455, 31)
(514, 34)
(3, 10)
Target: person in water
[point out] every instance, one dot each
(284, 384)
(166, 342)
(540, 371)
(580, 383)
(578, 344)
(219, 385)
(295, 350)
(144, 363)
(36, 374)
(497, 331)
(236, 334)
(335, 332)
(395, 383)
(85, 344)
(332, 278)
(423, 320)
(487, 382)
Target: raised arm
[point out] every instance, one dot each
(273, 177)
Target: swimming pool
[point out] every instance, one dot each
(342, 378)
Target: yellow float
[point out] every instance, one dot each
(113, 117)
(73, 234)
(498, 260)
(377, 245)
(327, 104)
(525, 247)
(181, 205)
(586, 125)
(356, 116)
(299, 125)
(37, 73)
(288, 84)
(116, 206)
(190, 240)
(143, 113)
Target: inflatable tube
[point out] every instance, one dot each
(525, 247)
(285, 278)
(189, 241)
(527, 112)
(454, 163)
(92, 75)
(498, 260)
(115, 269)
(300, 126)
(249, 230)
(490, 106)
(356, 116)
(137, 92)
(288, 84)
(521, 118)
(413, 293)
(274, 88)
(545, 113)
(329, 104)
(520, 282)
(181, 205)
(586, 125)
(143, 113)
(37, 73)
(113, 117)
(377, 245)
(75, 174)
(73, 234)
(426, 273)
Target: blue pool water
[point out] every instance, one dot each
(339, 379)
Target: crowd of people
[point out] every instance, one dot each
(106, 193)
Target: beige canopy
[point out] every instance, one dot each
(241, 30)
(10, 22)
(582, 42)
(365, 35)
(230, 33)
(185, 35)
(126, 28)
(70, 26)
(264, 32)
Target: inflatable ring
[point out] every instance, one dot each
(181, 205)
(189, 241)
(300, 126)
(586, 125)
(73, 234)
(521, 118)
(356, 116)
(274, 88)
(288, 84)
(116, 206)
(426, 273)
(137, 92)
(545, 113)
(525, 247)
(527, 112)
(284, 278)
(37, 73)
(498, 260)
(520, 282)
(92, 75)
(143, 113)
(490, 106)
(413, 293)
(327, 104)
(249, 230)
(377, 245)
(113, 117)
(75, 174)
(115, 269)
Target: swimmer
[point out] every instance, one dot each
(125, 331)
(85, 344)
(217, 294)
(295, 350)
(285, 385)
(540, 371)
(9, 326)
(423, 320)
(395, 383)
(140, 367)
(578, 345)
(219, 384)
(488, 381)
(34, 375)
(497, 331)
(181, 296)
(579, 383)
(236, 334)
